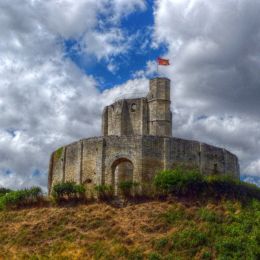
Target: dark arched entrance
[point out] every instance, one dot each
(122, 170)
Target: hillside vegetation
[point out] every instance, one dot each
(187, 216)
(152, 230)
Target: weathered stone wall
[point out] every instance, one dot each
(160, 116)
(56, 167)
(207, 158)
(93, 161)
(137, 131)
(92, 157)
(141, 116)
(73, 162)
(185, 152)
(126, 117)
(121, 148)
(153, 156)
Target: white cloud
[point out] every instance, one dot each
(94, 24)
(214, 49)
(149, 70)
(45, 100)
(106, 44)
(253, 168)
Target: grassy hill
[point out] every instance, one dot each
(171, 229)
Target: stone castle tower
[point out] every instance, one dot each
(141, 116)
(137, 142)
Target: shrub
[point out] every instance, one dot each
(179, 181)
(104, 192)
(127, 188)
(68, 191)
(226, 186)
(3, 191)
(251, 190)
(220, 185)
(25, 197)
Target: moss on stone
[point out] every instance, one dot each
(58, 153)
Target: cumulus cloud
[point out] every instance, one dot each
(45, 100)
(94, 24)
(214, 48)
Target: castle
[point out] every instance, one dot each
(137, 142)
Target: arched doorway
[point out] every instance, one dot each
(122, 170)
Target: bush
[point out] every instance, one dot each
(127, 188)
(226, 186)
(68, 191)
(25, 197)
(104, 192)
(179, 181)
(3, 191)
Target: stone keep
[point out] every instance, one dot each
(137, 142)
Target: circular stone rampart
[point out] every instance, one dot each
(89, 161)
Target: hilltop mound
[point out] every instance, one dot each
(152, 230)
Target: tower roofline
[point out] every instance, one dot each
(160, 78)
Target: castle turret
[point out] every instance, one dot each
(160, 116)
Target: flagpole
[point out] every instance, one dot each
(157, 68)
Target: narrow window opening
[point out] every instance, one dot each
(133, 107)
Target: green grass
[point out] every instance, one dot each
(224, 229)
(202, 218)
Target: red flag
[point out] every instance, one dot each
(163, 62)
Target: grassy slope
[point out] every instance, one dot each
(152, 230)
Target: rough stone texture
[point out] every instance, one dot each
(141, 116)
(136, 144)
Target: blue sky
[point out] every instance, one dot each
(138, 25)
